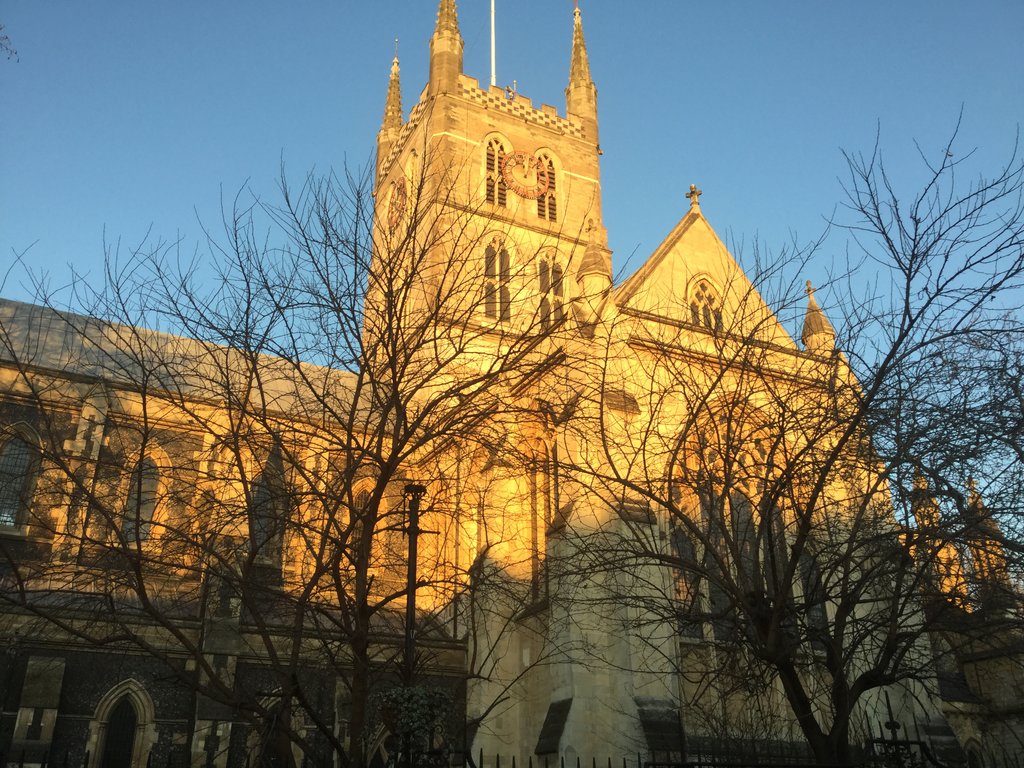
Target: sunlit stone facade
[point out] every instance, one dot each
(546, 603)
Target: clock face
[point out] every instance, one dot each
(525, 175)
(396, 204)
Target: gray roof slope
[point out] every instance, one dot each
(78, 346)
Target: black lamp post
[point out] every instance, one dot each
(414, 495)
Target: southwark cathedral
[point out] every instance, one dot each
(442, 489)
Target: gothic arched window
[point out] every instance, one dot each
(267, 510)
(497, 279)
(273, 748)
(18, 466)
(705, 307)
(549, 273)
(547, 203)
(744, 531)
(543, 506)
(497, 191)
(688, 582)
(141, 502)
(814, 598)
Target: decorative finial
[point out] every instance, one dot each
(694, 196)
(447, 17)
(818, 334)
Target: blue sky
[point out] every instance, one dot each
(126, 120)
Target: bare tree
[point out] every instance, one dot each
(6, 48)
(219, 459)
(804, 521)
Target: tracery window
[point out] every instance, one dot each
(550, 277)
(547, 202)
(18, 465)
(141, 503)
(497, 280)
(705, 307)
(497, 190)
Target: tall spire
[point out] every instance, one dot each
(818, 335)
(445, 50)
(581, 95)
(393, 105)
(579, 69)
(391, 127)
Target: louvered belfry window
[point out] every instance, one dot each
(547, 205)
(497, 190)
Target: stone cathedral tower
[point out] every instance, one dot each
(523, 180)
(520, 186)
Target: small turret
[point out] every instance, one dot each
(391, 127)
(923, 505)
(446, 48)
(594, 275)
(933, 549)
(393, 106)
(985, 542)
(581, 95)
(818, 335)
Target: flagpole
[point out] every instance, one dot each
(494, 73)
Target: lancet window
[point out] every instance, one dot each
(547, 202)
(497, 190)
(688, 582)
(705, 306)
(267, 510)
(543, 506)
(142, 498)
(813, 597)
(550, 277)
(18, 466)
(497, 281)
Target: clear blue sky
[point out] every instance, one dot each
(131, 117)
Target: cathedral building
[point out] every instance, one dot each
(644, 503)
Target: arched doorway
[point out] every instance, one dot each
(123, 730)
(270, 744)
(119, 745)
